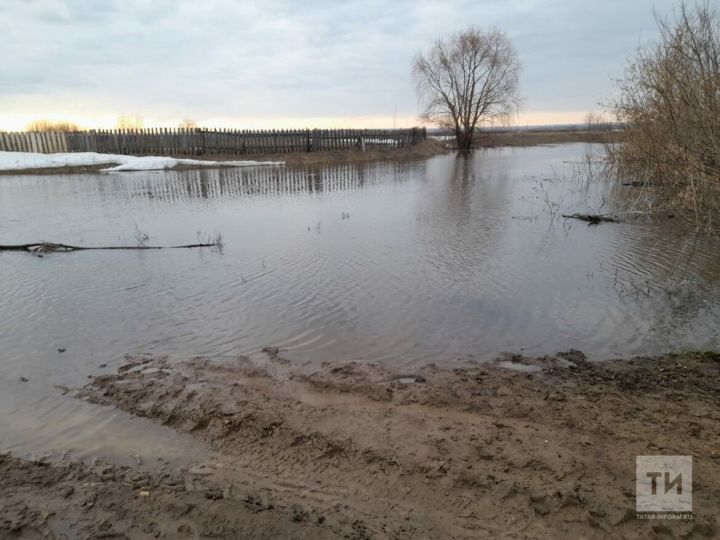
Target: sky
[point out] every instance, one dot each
(294, 64)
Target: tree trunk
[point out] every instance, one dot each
(464, 140)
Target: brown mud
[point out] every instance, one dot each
(518, 448)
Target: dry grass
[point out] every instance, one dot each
(424, 150)
(51, 125)
(533, 138)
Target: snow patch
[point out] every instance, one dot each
(14, 161)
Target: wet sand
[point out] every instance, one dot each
(520, 448)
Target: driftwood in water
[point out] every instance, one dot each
(592, 219)
(49, 247)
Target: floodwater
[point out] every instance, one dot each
(445, 260)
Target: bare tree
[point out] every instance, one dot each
(468, 79)
(670, 101)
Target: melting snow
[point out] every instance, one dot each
(13, 161)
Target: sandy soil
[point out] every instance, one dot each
(521, 448)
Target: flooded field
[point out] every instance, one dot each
(443, 260)
(449, 261)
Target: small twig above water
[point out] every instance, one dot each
(141, 237)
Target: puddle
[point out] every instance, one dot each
(516, 366)
(409, 379)
(60, 427)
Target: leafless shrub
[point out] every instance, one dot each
(670, 100)
(130, 121)
(467, 80)
(51, 125)
(187, 123)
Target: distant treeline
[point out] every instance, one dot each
(205, 141)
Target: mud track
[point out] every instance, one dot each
(545, 449)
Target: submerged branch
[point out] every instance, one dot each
(47, 247)
(592, 219)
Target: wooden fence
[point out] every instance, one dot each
(203, 141)
(45, 143)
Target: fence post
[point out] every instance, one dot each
(315, 140)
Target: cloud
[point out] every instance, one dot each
(170, 59)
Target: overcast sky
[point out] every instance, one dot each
(294, 64)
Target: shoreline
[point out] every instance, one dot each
(525, 447)
(424, 150)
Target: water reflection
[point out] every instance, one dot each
(266, 182)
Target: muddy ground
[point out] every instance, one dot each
(519, 448)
